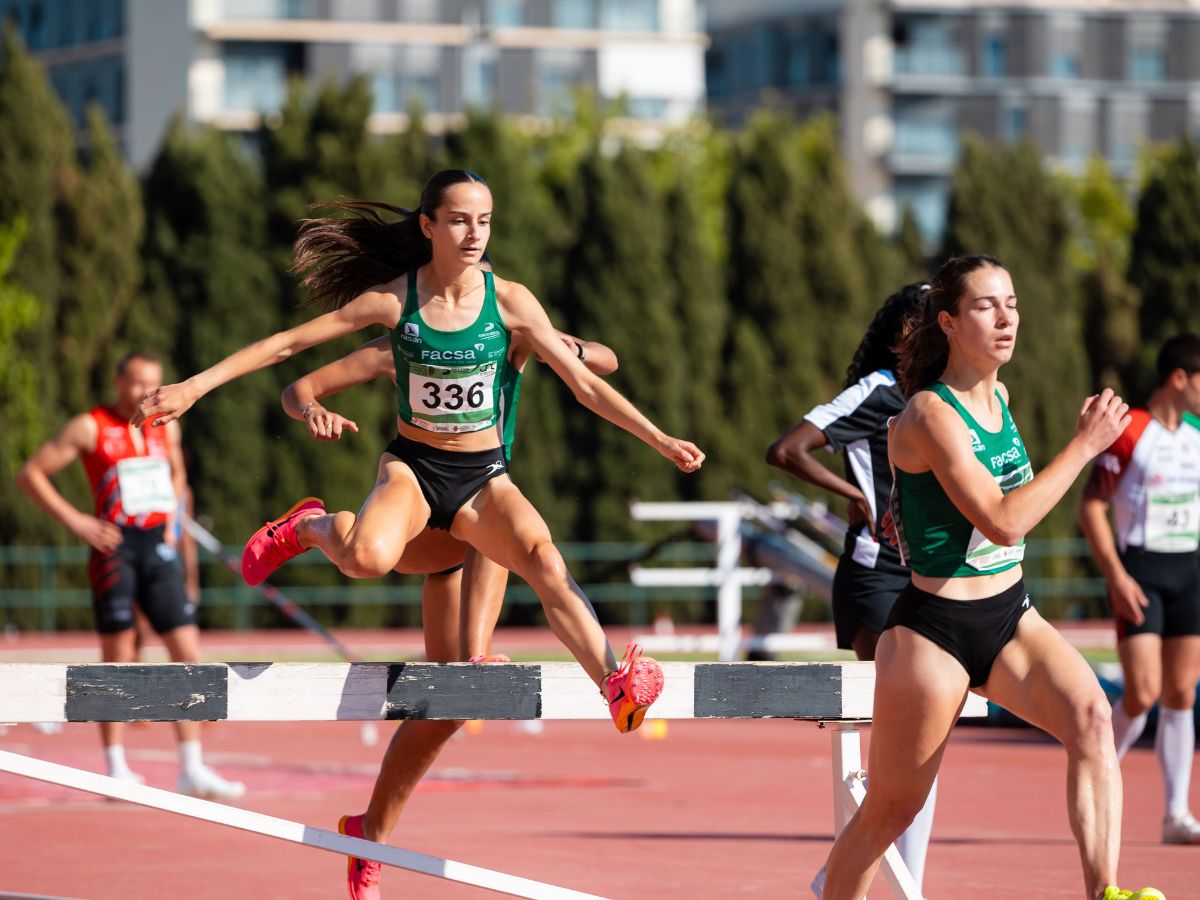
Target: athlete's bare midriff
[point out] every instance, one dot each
(979, 587)
(487, 439)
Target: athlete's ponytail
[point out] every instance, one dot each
(923, 350)
(877, 349)
(366, 243)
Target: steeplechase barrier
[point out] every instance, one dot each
(838, 695)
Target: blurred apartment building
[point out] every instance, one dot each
(228, 62)
(909, 77)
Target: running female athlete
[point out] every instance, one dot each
(1151, 478)
(870, 574)
(451, 326)
(964, 499)
(454, 628)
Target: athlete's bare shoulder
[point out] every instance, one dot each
(382, 302)
(512, 291)
(1000, 386)
(518, 307)
(79, 433)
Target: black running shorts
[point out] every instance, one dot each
(448, 479)
(972, 631)
(142, 570)
(1171, 582)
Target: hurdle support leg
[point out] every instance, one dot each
(849, 791)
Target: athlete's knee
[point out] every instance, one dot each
(1141, 694)
(890, 816)
(1179, 693)
(367, 559)
(1092, 732)
(544, 564)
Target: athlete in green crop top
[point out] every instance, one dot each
(964, 499)
(362, 268)
(435, 553)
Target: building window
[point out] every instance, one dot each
(419, 10)
(479, 75)
(927, 45)
(926, 129)
(118, 106)
(1127, 121)
(1065, 44)
(1064, 64)
(35, 30)
(574, 13)
(559, 73)
(510, 13)
(1014, 122)
(255, 77)
(629, 15)
(928, 200)
(357, 10)
(648, 107)
(993, 60)
(268, 9)
(1077, 138)
(1146, 64)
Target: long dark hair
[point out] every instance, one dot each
(877, 349)
(366, 242)
(923, 350)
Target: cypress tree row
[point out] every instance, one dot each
(319, 149)
(620, 293)
(1165, 256)
(100, 231)
(1104, 224)
(37, 163)
(206, 259)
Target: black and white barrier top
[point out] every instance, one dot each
(316, 692)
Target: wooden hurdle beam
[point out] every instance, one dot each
(312, 692)
(839, 694)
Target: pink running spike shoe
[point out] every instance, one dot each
(276, 542)
(632, 688)
(362, 875)
(489, 658)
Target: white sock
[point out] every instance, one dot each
(190, 756)
(1175, 743)
(914, 843)
(114, 754)
(1126, 728)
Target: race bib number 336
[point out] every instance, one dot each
(452, 400)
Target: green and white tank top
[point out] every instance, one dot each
(935, 538)
(452, 382)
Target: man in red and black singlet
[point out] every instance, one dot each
(1150, 477)
(136, 475)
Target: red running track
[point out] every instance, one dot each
(716, 809)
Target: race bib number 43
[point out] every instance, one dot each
(145, 483)
(1172, 521)
(452, 400)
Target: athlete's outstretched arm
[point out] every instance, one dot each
(936, 434)
(524, 315)
(370, 361)
(77, 437)
(169, 402)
